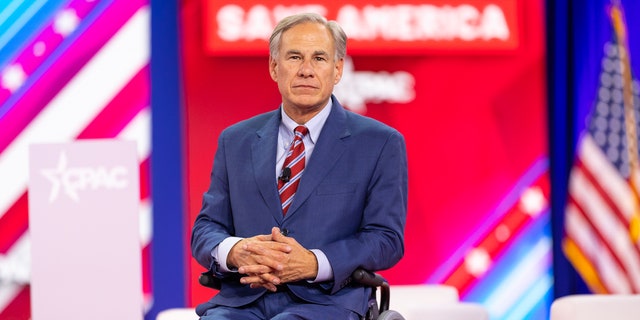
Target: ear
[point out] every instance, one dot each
(339, 68)
(273, 68)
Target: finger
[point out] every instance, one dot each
(267, 286)
(274, 252)
(254, 269)
(252, 279)
(260, 279)
(270, 278)
(264, 237)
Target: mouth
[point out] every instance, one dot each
(304, 86)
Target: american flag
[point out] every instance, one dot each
(69, 69)
(601, 216)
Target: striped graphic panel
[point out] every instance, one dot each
(69, 70)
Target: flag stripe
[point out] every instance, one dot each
(593, 186)
(583, 265)
(595, 233)
(609, 273)
(612, 184)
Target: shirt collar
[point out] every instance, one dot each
(314, 125)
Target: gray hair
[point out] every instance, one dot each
(339, 37)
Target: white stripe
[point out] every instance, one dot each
(612, 230)
(607, 176)
(583, 235)
(610, 274)
(78, 103)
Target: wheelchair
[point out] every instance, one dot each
(376, 311)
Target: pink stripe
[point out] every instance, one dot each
(68, 64)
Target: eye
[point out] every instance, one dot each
(320, 58)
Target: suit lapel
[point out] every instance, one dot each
(328, 149)
(263, 156)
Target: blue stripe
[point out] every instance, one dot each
(519, 248)
(19, 26)
(8, 9)
(89, 20)
(537, 298)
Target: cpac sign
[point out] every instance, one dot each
(373, 27)
(357, 88)
(72, 180)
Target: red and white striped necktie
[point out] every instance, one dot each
(292, 169)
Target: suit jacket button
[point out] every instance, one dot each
(284, 231)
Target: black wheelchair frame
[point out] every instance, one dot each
(376, 311)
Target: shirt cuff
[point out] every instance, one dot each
(325, 272)
(221, 251)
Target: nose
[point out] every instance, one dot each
(306, 69)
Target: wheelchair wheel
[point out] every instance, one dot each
(390, 315)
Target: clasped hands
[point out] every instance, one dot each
(272, 259)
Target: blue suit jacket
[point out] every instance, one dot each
(351, 202)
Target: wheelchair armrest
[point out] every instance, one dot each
(361, 276)
(207, 279)
(374, 280)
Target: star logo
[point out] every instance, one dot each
(56, 177)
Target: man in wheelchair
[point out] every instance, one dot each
(302, 196)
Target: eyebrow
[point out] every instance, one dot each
(315, 53)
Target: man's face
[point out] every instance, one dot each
(306, 69)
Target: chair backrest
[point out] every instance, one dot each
(178, 314)
(596, 306)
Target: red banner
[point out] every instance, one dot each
(373, 27)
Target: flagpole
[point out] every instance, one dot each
(630, 118)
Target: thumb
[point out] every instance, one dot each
(277, 236)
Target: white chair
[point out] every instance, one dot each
(409, 297)
(178, 314)
(433, 301)
(454, 311)
(596, 307)
(413, 302)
